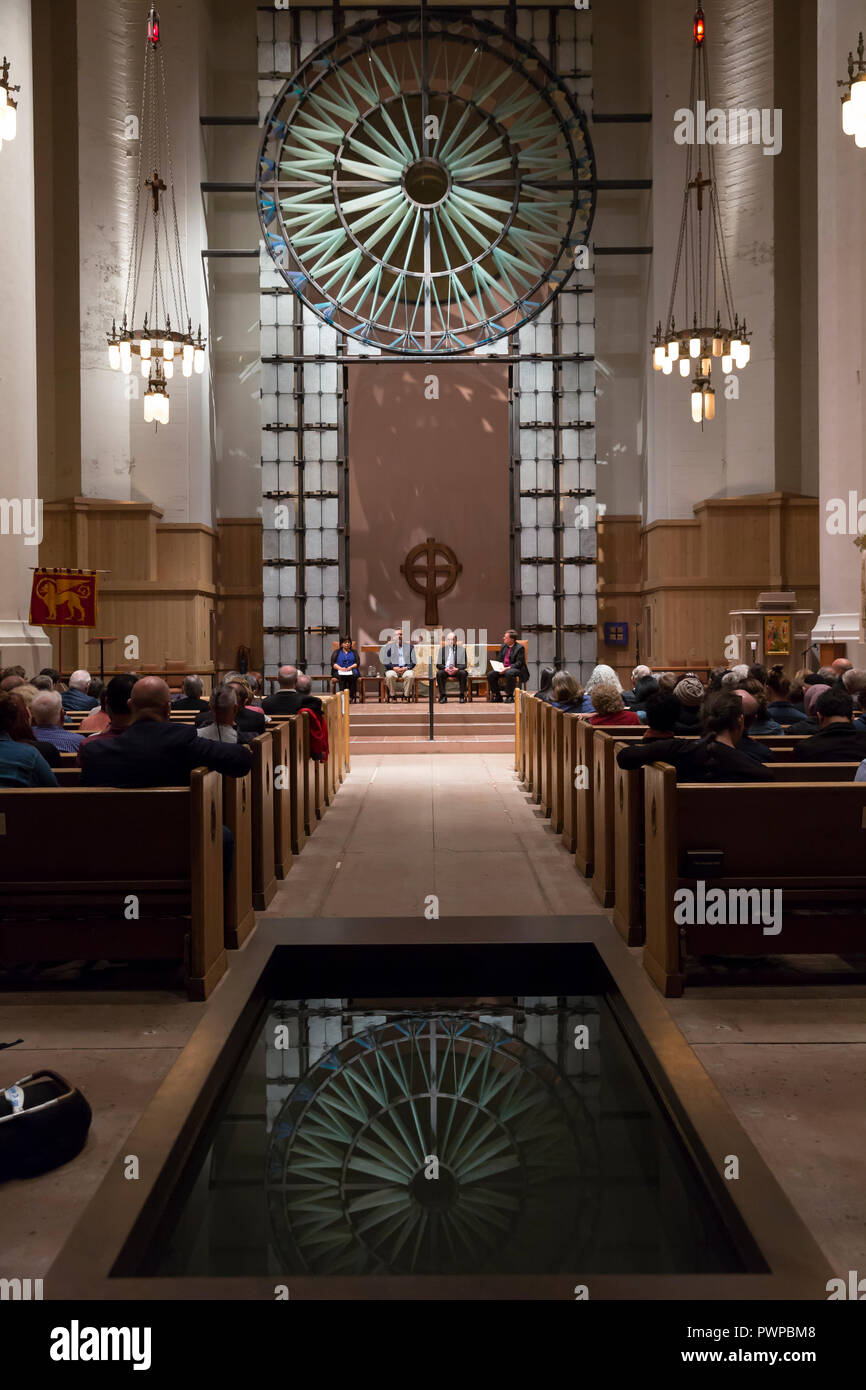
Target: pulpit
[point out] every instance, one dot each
(775, 632)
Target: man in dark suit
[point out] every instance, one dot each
(513, 657)
(289, 698)
(154, 752)
(192, 697)
(451, 665)
(837, 740)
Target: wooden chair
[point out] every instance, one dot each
(161, 846)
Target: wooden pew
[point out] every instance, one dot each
(545, 753)
(571, 722)
(162, 845)
(628, 833)
(239, 914)
(283, 815)
(264, 877)
(751, 826)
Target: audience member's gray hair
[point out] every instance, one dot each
(42, 682)
(741, 671)
(731, 679)
(79, 680)
(192, 687)
(854, 681)
(224, 698)
(303, 685)
(640, 672)
(602, 675)
(46, 708)
(828, 674)
(287, 677)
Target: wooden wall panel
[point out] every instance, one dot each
(239, 617)
(693, 574)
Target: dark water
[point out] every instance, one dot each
(512, 1137)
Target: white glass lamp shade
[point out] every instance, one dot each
(694, 347)
(125, 351)
(697, 406)
(3, 97)
(685, 366)
(849, 115)
(168, 349)
(860, 134)
(709, 404)
(114, 356)
(145, 348)
(198, 360)
(659, 355)
(858, 96)
(667, 366)
(8, 123)
(727, 363)
(187, 365)
(674, 349)
(145, 366)
(149, 398)
(168, 370)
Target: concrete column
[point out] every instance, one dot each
(840, 193)
(735, 455)
(20, 508)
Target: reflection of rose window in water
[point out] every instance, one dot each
(424, 182)
(431, 1145)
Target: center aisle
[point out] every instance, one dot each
(459, 826)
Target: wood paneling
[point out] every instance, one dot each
(693, 574)
(239, 618)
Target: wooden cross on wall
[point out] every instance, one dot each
(700, 183)
(156, 186)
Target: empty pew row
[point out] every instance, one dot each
(187, 909)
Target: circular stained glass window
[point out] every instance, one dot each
(431, 1145)
(424, 183)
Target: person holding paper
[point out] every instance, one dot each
(508, 669)
(451, 664)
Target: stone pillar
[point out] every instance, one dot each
(840, 192)
(20, 508)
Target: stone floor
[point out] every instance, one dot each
(790, 1061)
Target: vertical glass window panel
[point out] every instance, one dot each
(330, 545)
(586, 340)
(328, 378)
(312, 375)
(287, 445)
(313, 511)
(313, 574)
(546, 514)
(286, 310)
(528, 580)
(330, 477)
(586, 308)
(528, 512)
(545, 610)
(328, 410)
(270, 545)
(589, 609)
(544, 474)
(271, 612)
(329, 444)
(268, 341)
(313, 543)
(331, 581)
(526, 373)
(268, 310)
(270, 581)
(529, 609)
(568, 306)
(287, 543)
(271, 650)
(545, 585)
(544, 339)
(312, 409)
(270, 477)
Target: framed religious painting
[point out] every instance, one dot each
(777, 635)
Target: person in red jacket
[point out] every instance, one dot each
(609, 707)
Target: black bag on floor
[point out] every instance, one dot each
(43, 1123)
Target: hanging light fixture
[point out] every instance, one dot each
(159, 339)
(854, 97)
(709, 331)
(8, 105)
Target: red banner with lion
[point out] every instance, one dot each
(63, 598)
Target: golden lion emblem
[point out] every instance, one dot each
(60, 593)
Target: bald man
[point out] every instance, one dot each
(154, 752)
(291, 697)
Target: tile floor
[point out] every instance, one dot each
(790, 1061)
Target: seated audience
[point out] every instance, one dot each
(659, 743)
(545, 684)
(609, 708)
(12, 682)
(513, 657)
(763, 724)
(689, 693)
(780, 707)
(192, 698)
(566, 693)
(98, 720)
(26, 692)
(116, 714)
(841, 666)
(451, 664)
(719, 755)
(250, 718)
(22, 732)
(837, 740)
(715, 681)
(54, 676)
(811, 696)
(601, 675)
(76, 697)
(646, 689)
(46, 713)
(347, 668)
(757, 672)
(667, 682)
(43, 682)
(154, 751)
(748, 745)
(95, 689)
(224, 710)
(629, 697)
(21, 762)
(289, 699)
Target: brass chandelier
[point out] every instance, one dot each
(708, 330)
(159, 342)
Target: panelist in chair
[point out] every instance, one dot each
(451, 665)
(398, 660)
(512, 657)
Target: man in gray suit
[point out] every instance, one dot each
(451, 664)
